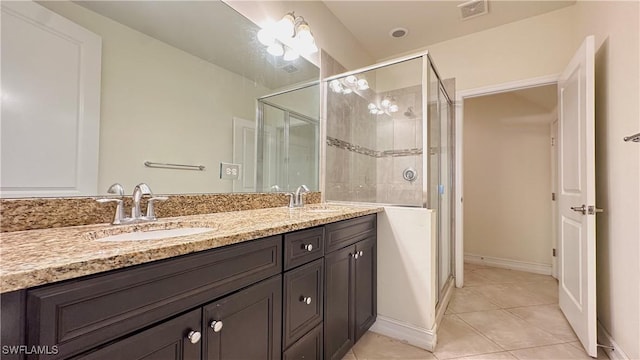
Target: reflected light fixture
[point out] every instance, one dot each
(292, 30)
(348, 85)
(387, 106)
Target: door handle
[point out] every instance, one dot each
(581, 209)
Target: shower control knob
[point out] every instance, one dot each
(308, 247)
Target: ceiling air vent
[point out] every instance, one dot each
(473, 8)
(290, 68)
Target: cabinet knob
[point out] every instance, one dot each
(308, 247)
(360, 253)
(306, 299)
(194, 336)
(216, 325)
(355, 256)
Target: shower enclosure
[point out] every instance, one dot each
(389, 141)
(288, 140)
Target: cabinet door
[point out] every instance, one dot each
(365, 286)
(246, 325)
(176, 339)
(303, 300)
(339, 317)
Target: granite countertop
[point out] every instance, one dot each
(36, 257)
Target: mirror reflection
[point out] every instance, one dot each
(178, 82)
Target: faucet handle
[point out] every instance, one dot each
(118, 218)
(116, 189)
(151, 212)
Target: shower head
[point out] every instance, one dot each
(409, 113)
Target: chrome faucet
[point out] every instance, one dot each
(139, 191)
(297, 200)
(136, 214)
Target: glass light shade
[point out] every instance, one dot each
(266, 37)
(290, 54)
(335, 86)
(363, 84)
(385, 103)
(351, 80)
(285, 27)
(372, 106)
(275, 49)
(309, 48)
(374, 111)
(380, 112)
(303, 33)
(347, 91)
(393, 108)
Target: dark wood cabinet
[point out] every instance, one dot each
(175, 339)
(338, 320)
(303, 300)
(246, 325)
(350, 285)
(310, 294)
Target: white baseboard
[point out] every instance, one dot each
(605, 338)
(535, 268)
(422, 338)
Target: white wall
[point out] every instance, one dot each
(507, 186)
(330, 34)
(151, 90)
(541, 46)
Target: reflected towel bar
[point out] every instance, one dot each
(634, 138)
(173, 166)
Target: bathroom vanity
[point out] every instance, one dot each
(308, 293)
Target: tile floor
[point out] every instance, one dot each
(499, 314)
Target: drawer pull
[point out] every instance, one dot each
(306, 299)
(355, 256)
(308, 247)
(216, 325)
(194, 336)
(360, 253)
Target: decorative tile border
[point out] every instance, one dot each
(345, 145)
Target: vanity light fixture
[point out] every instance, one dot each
(291, 30)
(348, 85)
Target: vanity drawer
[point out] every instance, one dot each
(84, 313)
(303, 246)
(345, 233)
(303, 300)
(309, 347)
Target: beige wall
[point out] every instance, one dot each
(162, 104)
(330, 34)
(541, 46)
(507, 186)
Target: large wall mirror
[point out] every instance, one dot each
(180, 82)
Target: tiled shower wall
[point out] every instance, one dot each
(366, 154)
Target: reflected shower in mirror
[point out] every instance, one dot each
(177, 82)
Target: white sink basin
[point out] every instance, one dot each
(155, 234)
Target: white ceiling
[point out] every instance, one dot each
(210, 30)
(428, 21)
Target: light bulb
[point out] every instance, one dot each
(265, 36)
(393, 108)
(290, 54)
(303, 33)
(275, 49)
(372, 106)
(363, 84)
(385, 103)
(284, 28)
(335, 86)
(351, 80)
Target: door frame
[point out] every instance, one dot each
(459, 175)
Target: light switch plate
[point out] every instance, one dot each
(229, 171)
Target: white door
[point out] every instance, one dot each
(576, 203)
(50, 121)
